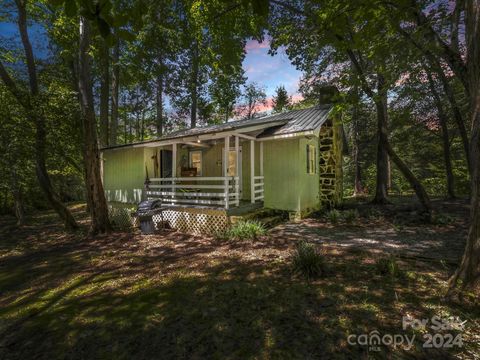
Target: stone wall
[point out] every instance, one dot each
(330, 164)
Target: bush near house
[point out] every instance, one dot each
(244, 230)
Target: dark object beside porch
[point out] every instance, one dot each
(145, 211)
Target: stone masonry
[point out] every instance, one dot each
(330, 165)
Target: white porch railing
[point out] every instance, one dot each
(258, 188)
(222, 191)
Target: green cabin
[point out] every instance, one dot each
(290, 161)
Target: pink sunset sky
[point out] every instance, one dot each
(270, 71)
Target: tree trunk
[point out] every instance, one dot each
(34, 112)
(415, 184)
(227, 108)
(469, 270)
(357, 188)
(100, 222)
(445, 138)
(382, 156)
(194, 87)
(115, 93)
(457, 114)
(159, 105)
(389, 175)
(18, 203)
(104, 93)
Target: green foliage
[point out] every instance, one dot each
(333, 216)
(253, 97)
(281, 100)
(245, 230)
(442, 219)
(121, 218)
(308, 261)
(350, 215)
(388, 266)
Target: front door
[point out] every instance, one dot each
(232, 165)
(166, 163)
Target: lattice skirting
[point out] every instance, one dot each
(198, 221)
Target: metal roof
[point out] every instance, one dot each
(289, 122)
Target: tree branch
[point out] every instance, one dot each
(12, 87)
(27, 46)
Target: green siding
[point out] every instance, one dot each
(287, 184)
(124, 174)
(307, 183)
(281, 159)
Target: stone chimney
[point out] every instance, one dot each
(327, 94)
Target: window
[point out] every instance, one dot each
(196, 161)
(311, 159)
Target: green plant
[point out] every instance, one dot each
(350, 215)
(333, 216)
(307, 261)
(442, 219)
(388, 266)
(246, 230)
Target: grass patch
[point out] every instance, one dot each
(388, 266)
(244, 230)
(350, 216)
(333, 216)
(308, 261)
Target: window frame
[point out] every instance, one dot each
(311, 166)
(190, 163)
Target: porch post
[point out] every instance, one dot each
(252, 171)
(174, 160)
(261, 158)
(225, 169)
(174, 167)
(237, 170)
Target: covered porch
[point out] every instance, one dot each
(220, 170)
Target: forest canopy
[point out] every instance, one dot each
(86, 74)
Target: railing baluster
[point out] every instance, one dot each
(215, 191)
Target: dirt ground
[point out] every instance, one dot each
(178, 296)
(393, 229)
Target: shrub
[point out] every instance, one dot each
(442, 219)
(333, 216)
(387, 266)
(307, 261)
(350, 215)
(246, 230)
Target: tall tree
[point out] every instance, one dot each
(104, 65)
(281, 100)
(445, 136)
(115, 92)
(97, 203)
(253, 98)
(31, 101)
(316, 34)
(466, 67)
(469, 270)
(356, 146)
